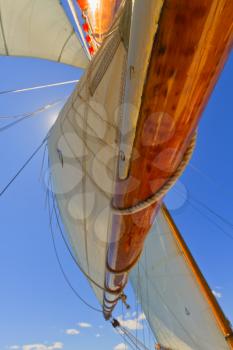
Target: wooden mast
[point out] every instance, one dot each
(190, 48)
(219, 315)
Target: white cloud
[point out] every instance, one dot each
(121, 346)
(142, 316)
(72, 331)
(217, 294)
(133, 323)
(54, 346)
(97, 335)
(84, 325)
(14, 347)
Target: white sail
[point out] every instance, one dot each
(39, 29)
(174, 305)
(83, 157)
(84, 148)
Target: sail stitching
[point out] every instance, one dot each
(64, 45)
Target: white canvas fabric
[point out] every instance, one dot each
(87, 140)
(39, 29)
(83, 151)
(175, 307)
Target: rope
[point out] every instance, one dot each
(156, 197)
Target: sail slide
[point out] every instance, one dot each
(178, 304)
(39, 29)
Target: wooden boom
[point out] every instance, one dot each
(190, 48)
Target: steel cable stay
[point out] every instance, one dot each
(60, 263)
(195, 207)
(131, 338)
(128, 336)
(12, 180)
(39, 87)
(211, 180)
(69, 249)
(126, 341)
(29, 115)
(50, 220)
(206, 207)
(36, 111)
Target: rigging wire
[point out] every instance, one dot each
(126, 341)
(38, 87)
(61, 267)
(22, 117)
(28, 114)
(123, 316)
(69, 249)
(5, 188)
(135, 341)
(205, 206)
(50, 221)
(195, 207)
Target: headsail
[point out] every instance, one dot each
(173, 300)
(39, 29)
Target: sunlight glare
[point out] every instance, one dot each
(94, 4)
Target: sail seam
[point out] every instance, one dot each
(110, 50)
(64, 45)
(3, 34)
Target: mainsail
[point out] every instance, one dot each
(83, 157)
(39, 29)
(178, 304)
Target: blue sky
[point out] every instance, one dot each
(36, 305)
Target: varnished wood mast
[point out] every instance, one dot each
(222, 322)
(191, 46)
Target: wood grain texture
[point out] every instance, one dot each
(191, 46)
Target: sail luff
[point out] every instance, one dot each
(220, 317)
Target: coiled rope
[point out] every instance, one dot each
(157, 196)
